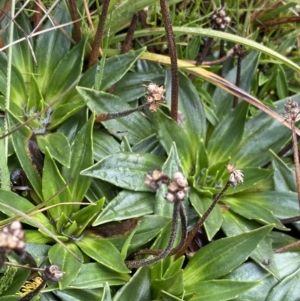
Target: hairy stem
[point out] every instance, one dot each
(139, 263)
(173, 57)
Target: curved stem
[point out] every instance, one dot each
(139, 263)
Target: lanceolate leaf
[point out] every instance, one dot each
(81, 158)
(66, 262)
(227, 135)
(168, 131)
(52, 183)
(126, 170)
(228, 253)
(103, 252)
(125, 205)
(135, 126)
(218, 290)
(234, 224)
(138, 287)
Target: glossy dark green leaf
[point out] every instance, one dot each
(18, 89)
(234, 224)
(99, 189)
(227, 135)
(116, 66)
(135, 126)
(103, 252)
(127, 204)
(228, 253)
(51, 47)
(262, 133)
(219, 290)
(66, 263)
(214, 220)
(286, 289)
(191, 112)
(81, 158)
(168, 132)
(12, 199)
(58, 146)
(52, 183)
(78, 294)
(126, 170)
(85, 216)
(245, 207)
(137, 288)
(284, 177)
(282, 204)
(93, 275)
(67, 71)
(20, 140)
(149, 145)
(104, 144)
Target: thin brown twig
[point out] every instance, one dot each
(296, 158)
(75, 17)
(99, 35)
(173, 57)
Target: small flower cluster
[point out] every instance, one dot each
(292, 111)
(155, 178)
(236, 175)
(52, 273)
(177, 188)
(155, 96)
(12, 238)
(219, 20)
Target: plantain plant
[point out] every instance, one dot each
(83, 200)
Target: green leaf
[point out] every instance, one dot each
(93, 275)
(167, 132)
(67, 71)
(281, 83)
(117, 66)
(106, 293)
(126, 170)
(50, 48)
(234, 224)
(81, 158)
(53, 182)
(137, 288)
(228, 253)
(20, 139)
(103, 252)
(12, 199)
(66, 263)
(262, 133)
(35, 98)
(284, 177)
(136, 126)
(172, 285)
(228, 134)
(84, 217)
(219, 290)
(251, 210)
(126, 205)
(191, 111)
(58, 146)
(214, 221)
